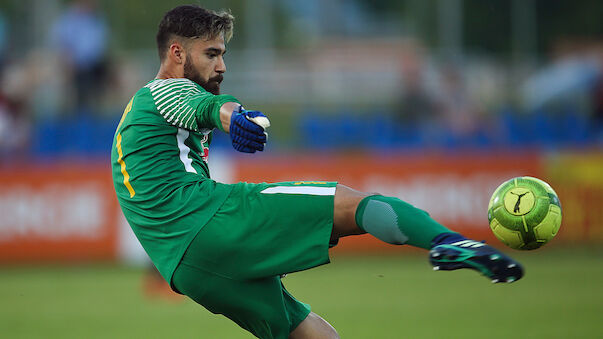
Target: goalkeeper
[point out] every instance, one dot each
(226, 246)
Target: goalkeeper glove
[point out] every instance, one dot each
(248, 130)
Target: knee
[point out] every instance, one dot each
(332, 335)
(314, 327)
(346, 204)
(347, 199)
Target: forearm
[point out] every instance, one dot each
(225, 114)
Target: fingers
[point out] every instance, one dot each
(244, 134)
(250, 147)
(247, 124)
(258, 136)
(259, 145)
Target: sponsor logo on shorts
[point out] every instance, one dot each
(310, 183)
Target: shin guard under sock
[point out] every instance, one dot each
(397, 222)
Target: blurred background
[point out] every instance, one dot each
(434, 101)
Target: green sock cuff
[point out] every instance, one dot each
(360, 211)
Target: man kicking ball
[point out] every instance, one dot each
(226, 246)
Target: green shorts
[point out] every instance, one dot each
(262, 231)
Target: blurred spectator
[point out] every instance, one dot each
(14, 130)
(80, 34)
(455, 109)
(416, 107)
(570, 76)
(14, 126)
(434, 107)
(568, 89)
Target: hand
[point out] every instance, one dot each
(248, 130)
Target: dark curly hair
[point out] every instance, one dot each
(191, 21)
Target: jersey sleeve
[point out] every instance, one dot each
(208, 110)
(185, 104)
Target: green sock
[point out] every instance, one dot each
(397, 222)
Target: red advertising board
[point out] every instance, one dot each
(57, 213)
(70, 213)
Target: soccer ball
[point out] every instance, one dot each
(524, 213)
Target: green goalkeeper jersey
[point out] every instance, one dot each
(159, 164)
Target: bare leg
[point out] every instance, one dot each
(344, 219)
(314, 327)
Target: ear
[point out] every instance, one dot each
(177, 53)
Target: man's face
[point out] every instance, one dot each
(205, 63)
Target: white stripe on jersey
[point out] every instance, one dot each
(172, 97)
(184, 150)
(308, 190)
(165, 92)
(190, 116)
(182, 107)
(156, 83)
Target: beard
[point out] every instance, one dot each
(212, 85)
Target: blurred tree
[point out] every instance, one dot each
(487, 25)
(135, 21)
(568, 19)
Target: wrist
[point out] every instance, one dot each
(226, 112)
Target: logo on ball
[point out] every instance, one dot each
(519, 201)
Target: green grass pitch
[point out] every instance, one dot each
(396, 296)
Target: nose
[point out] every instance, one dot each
(221, 65)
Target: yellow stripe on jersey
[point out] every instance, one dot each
(126, 111)
(121, 162)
